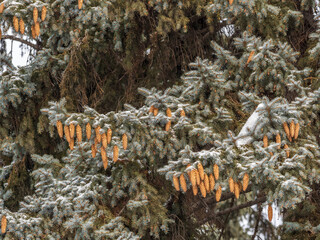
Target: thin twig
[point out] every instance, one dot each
(35, 46)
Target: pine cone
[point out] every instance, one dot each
(265, 141)
(80, 2)
(35, 15)
(211, 182)
(296, 131)
(71, 144)
(60, 128)
(88, 131)
(3, 224)
(270, 212)
(193, 177)
(206, 182)
(104, 157)
(168, 125)
(72, 130)
(218, 194)
(245, 181)
(124, 141)
(286, 129)
(37, 29)
(195, 190)
(183, 183)
(21, 23)
(79, 133)
(216, 171)
(151, 109)
(287, 151)
(198, 177)
(236, 190)
(16, 23)
(67, 133)
(33, 32)
(98, 135)
(168, 111)
(43, 13)
(203, 189)
(104, 140)
(1, 7)
(278, 140)
(182, 113)
(93, 150)
(201, 172)
(109, 135)
(155, 111)
(176, 183)
(230, 2)
(115, 153)
(292, 130)
(231, 184)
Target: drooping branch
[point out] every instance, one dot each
(35, 46)
(232, 209)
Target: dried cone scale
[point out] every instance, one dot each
(168, 112)
(203, 189)
(3, 224)
(292, 127)
(155, 111)
(218, 194)
(296, 131)
(115, 153)
(67, 132)
(250, 57)
(88, 131)
(35, 15)
(60, 128)
(182, 113)
(270, 212)
(216, 171)
(72, 130)
(211, 182)
(80, 2)
(287, 131)
(109, 135)
(21, 23)
(104, 140)
(43, 13)
(278, 140)
(1, 7)
(183, 183)
(287, 151)
(124, 141)
(176, 183)
(245, 181)
(201, 172)
(265, 141)
(231, 184)
(104, 158)
(168, 125)
(16, 23)
(236, 190)
(151, 109)
(195, 190)
(230, 2)
(98, 135)
(79, 133)
(93, 151)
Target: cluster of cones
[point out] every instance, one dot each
(206, 183)
(155, 112)
(104, 139)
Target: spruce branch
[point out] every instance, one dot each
(35, 46)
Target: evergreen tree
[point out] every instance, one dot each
(227, 117)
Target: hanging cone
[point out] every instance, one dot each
(72, 130)
(195, 190)
(124, 141)
(230, 2)
(21, 23)
(236, 190)
(98, 135)
(104, 140)
(115, 153)
(33, 32)
(176, 183)
(198, 177)
(250, 57)
(16, 23)
(211, 182)
(43, 13)
(193, 177)
(287, 151)
(88, 131)
(1, 7)
(270, 212)
(151, 109)
(183, 183)
(67, 133)
(155, 111)
(3, 224)
(296, 131)
(203, 189)
(216, 171)
(287, 131)
(218, 194)
(201, 172)
(292, 126)
(265, 141)
(104, 158)
(79, 133)
(109, 135)
(245, 181)
(80, 2)
(168, 112)
(168, 125)
(60, 128)
(278, 140)
(37, 29)
(93, 151)
(231, 184)
(71, 144)
(182, 113)
(206, 182)
(35, 15)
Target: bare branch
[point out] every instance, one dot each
(35, 46)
